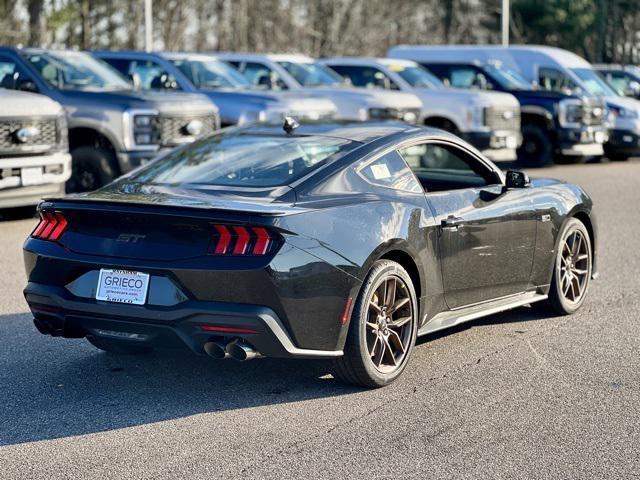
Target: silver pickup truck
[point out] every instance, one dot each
(490, 121)
(34, 158)
(298, 72)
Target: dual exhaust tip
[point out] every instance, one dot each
(236, 349)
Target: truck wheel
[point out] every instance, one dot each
(91, 168)
(117, 347)
(383, 328)
(536, 149)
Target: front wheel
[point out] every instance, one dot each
(536, 149)
(91, 168)
(383, 328)
(572, 268)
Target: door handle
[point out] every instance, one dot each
(451, 223)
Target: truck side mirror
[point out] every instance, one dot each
(633, 89)
(27, 86)
(136, 81)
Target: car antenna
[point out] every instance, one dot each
(289, 125)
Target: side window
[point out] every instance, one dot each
(620, 81)
(441, 167)
(259, 74)
(554, 80)
(152, 76)
(391, 171)
(13, 77)
(366, 77)
(468, 77)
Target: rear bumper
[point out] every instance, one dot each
(58, 312)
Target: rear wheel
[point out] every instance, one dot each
(91, 168)
(536, 149)
(572, 269)
(118, 347)
(383, 327)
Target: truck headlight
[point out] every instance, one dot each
(62, 129)
(570, 113)
(142, 129)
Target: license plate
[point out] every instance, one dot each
(121, 286)
(31, 176)
(512, 143)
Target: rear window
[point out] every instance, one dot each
(240, 159)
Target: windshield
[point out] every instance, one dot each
(416, 76)
(77, 71)
(312, 74)
(210, 73)
(241, 159)
(507, 78)
(594, 83)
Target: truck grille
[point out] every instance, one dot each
(43, 138)
(174, 130)
(502, 118)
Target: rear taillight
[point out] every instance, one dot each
(51, 226)
(238, 240)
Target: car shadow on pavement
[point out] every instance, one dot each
(520, 315)
(55, 388)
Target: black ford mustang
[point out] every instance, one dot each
(341, 242)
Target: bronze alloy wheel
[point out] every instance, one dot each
(382, 330)
(390, 323)
(573, 268)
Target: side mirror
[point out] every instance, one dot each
(27, 86)
(136, 81)
(516, 179)
(633, 89)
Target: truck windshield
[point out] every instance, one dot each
(209, 73)
(76, 71)
(311, 74)
(241, 159)
(416, 76)
(507, 78)
(593, 83)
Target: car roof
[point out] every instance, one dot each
(368, 61)
(276, 57)
(352, 131)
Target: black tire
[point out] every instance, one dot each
(357, 366)
(558, 301)
(118, 347)
(618, 157)
(91, 168)
(536, 149)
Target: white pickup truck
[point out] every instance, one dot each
(34, 158)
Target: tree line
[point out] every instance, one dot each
(599, 30)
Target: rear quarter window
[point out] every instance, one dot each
(391, 171)
(241, 159)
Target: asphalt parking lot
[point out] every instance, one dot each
(512, 396)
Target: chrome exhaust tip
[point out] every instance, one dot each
(215, 349)
(241, 351)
